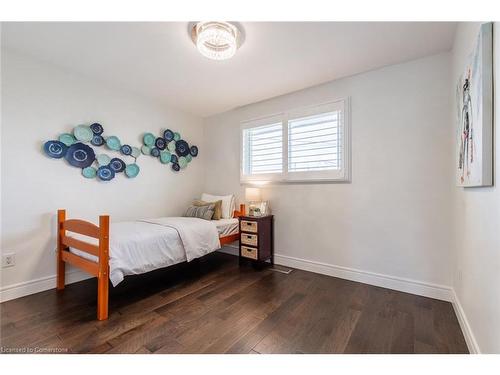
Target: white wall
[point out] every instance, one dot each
(477, 218)
(40, 101)
(394, 219)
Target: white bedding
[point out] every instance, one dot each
(137, 247)
(226, 227)
(198, 236)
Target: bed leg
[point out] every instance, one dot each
(61, 269)
(103, 276)
(102, 298)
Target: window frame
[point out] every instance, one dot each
(336, 175)
(269, 120)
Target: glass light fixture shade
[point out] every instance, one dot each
(216, 40)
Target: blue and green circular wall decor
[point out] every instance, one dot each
(168, 148)
(78, 153)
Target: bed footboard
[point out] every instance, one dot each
(99, 269)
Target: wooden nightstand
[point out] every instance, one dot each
(257, 238)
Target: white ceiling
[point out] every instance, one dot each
(158, 59)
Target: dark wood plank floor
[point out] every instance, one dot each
(215, 306)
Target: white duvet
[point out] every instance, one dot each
(141, 246)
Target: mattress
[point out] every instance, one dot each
(139, 246)
(226, 227)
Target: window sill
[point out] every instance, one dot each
(295, 182)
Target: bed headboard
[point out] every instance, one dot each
(239, 213)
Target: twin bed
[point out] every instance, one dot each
(111, 252)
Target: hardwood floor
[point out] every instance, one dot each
(215, 306)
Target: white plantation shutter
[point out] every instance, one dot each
(309, 144)
(263, 149)
(315, 143)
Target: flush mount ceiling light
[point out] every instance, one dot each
(216, 40)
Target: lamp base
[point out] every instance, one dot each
(258, 209)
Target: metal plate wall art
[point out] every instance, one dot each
(181, 148)
(149, 139)
(168, 135)
(135, 152)
(105, 173)
(78, 153)
(168, 148)
(155, 152)
(89, 172)
(165, 157)
(97, 129)
(55, 149)
(126, 150)
(103, 159)
(113, 143)
(67, 139)
(97, 140)
(83, 133)
(132, 170)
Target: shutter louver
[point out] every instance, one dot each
(263, 149)
(315, 143)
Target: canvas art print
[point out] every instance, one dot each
(475, 114)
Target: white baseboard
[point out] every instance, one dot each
(38, 285)
(420, 288)
(465, 326)
(391, 282)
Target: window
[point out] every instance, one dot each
(308, 144)
(263, 149)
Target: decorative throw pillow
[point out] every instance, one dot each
(228, 203)
(202, 212)
(218, 207)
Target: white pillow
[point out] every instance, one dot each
(227, 203)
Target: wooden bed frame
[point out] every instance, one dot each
(233, 237)
(98, 269)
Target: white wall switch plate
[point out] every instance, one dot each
(8, 260)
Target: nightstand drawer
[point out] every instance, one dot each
(249, 226)
(249, 252)
(248, 239)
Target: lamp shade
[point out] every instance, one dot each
(252, 194)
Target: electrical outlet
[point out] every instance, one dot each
(8, 260)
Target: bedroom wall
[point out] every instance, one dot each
(392, 225)
(477, 216)
(39, 101)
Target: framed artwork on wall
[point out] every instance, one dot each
(474, 98)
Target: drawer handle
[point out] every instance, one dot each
(249, 237)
